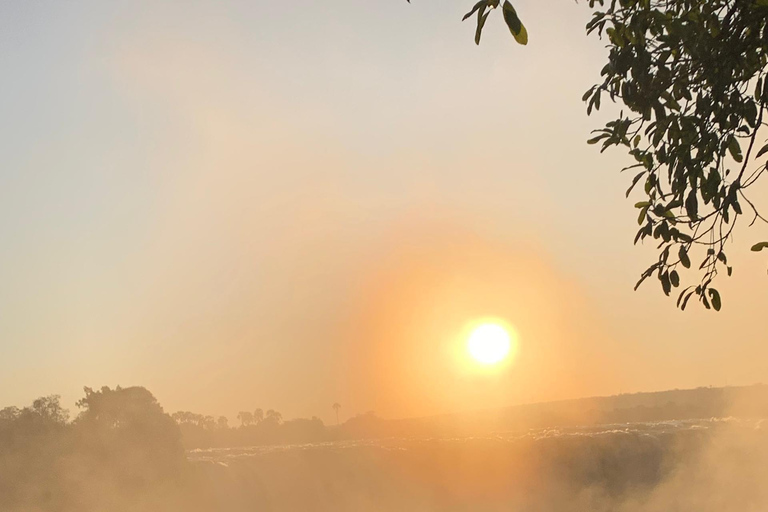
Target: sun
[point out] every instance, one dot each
(489, 343)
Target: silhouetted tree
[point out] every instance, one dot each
(121, 453)
(187, 418)
(245, 417)
(302, 430)
(49, 409)
(692, 75)
(273, 417)
(9, 413)
(336, 408)
(124, 424)
(258, 415)
(33, 442)
(222, 423)
(208, 422)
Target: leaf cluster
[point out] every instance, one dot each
(692, 76)
(484, 7)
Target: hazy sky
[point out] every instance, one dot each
(243, 204)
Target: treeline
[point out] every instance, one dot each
(199, 431)
(258, 427)
(120, 453)
(269, 428)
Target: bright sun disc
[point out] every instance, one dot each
(489, 343)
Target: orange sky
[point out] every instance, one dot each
(285, 205)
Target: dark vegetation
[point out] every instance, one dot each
(692, 77)
(201, 431)
(122, 452)
(717, 468)
(692, 80)
(258, 429)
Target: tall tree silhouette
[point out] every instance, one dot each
(336, 408)
(245, 417)
(273, 417)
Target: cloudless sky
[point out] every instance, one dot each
(243, 204)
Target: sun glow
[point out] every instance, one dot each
(489, 343)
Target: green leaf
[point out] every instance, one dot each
(481, 17)
(685, 301)
(634, 182)
(684, 259)
(649, 184)
(511, 18)
(643, 204)
(515, 25)
(762, 151)
(735, 149)
(714, 296)
(598, 138)
(674, 278)
(522, 36)
(641, 217)
(476, 8)
(759, 247)
(692, 205)
(665, 283)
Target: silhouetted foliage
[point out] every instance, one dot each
(200, 431)
(197, 429)
(273, 417)
(33, 442)
(129, 424)
(483, 9)
(122, 452)
(692, 76)
(245, 417)
(745, 402)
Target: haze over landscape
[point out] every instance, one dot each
(290, 205)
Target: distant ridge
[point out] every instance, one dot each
(702, 402)
(583, 414)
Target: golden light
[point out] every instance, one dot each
(489, 343)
